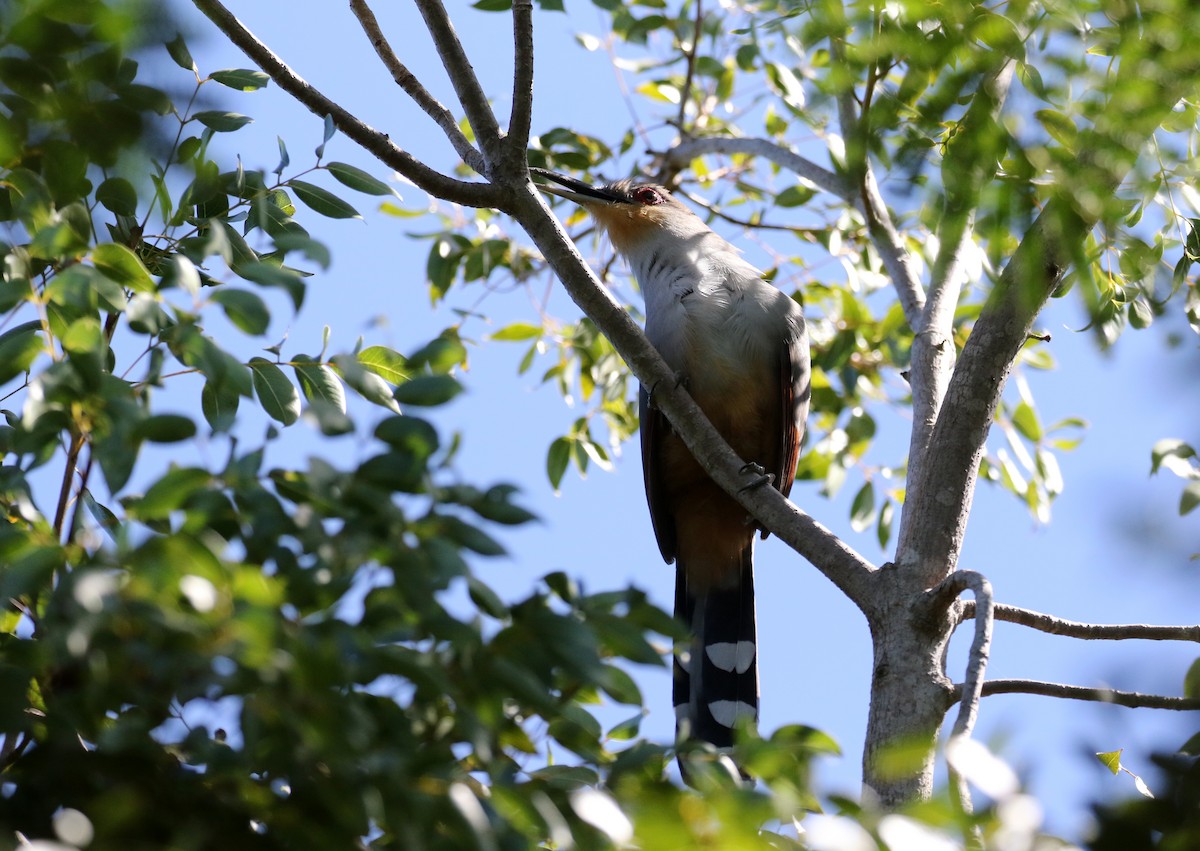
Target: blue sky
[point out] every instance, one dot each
(1115, 550)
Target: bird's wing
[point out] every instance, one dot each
(794, 388)
(654, 429)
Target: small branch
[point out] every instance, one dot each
(413, 88)
(374, 142)
(522, 95)
(1132, 699)
(892, 251)
(972, 689)
(690, 55)
(64, 492)
(1087, 631)
(463, 78)
(681, 154)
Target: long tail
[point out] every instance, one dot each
(718, 681)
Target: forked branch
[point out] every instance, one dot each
(377, 143)
(413, 87)
(1114, 696)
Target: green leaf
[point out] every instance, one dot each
(862, 510)
(440, 354)
(165, 428)
(178, 50)
(18, 348)
(1111, 760)
(1025, 419)
(557, 459)
(221, 121)
(367, 384)
(242, 79)
(1190, 498)
(359, 180)
(219, 404)
(245, 309)
(387, 363)
(428, 390)
(883, 530)
(169, 493)
(323, 201)
(276, 394)
(1059, 126)
(1169, 447)
(408, 434)
(1191, 681)
(517, 331)
(318, 381)
(119, 264)
(485, 598)
(117, 195)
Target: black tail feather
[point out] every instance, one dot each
(718, 683)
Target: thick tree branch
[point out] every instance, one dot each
(373, 141)
(1132, 699)
(462, 77)
(940, 493)
(970, 162)
(848, 570)
(1088, 631)
(413, 88)
(887, 241)
(522, 94)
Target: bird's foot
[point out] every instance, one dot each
(761, 476)
(680, 380)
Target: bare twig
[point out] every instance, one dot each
(686, 93)
(887, 241)
(688, 149)
(1132, 699)
(1088, 631)
(413, 88)
(373, 141)
(463, 78)
(522, 94)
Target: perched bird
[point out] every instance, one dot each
(740, 348)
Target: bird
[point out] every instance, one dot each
(739, 346)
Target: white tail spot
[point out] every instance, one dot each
(731, 655)
(727, 712)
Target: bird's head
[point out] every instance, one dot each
(632, 212)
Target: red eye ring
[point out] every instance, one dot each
(647, 195)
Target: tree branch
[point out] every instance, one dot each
(373, 141)
(463, 78)
(972, 689)
(848, 570)
(522, 94)
(940, 493)
(1087, 631)
(887, 241)
(1132, 699)
(413, 88)
(970, 161)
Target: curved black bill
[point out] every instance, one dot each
(576, 190)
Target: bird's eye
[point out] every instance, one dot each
(647, 195)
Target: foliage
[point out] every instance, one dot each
(234, 654)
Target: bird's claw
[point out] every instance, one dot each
(761, 476)
(680, 380)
